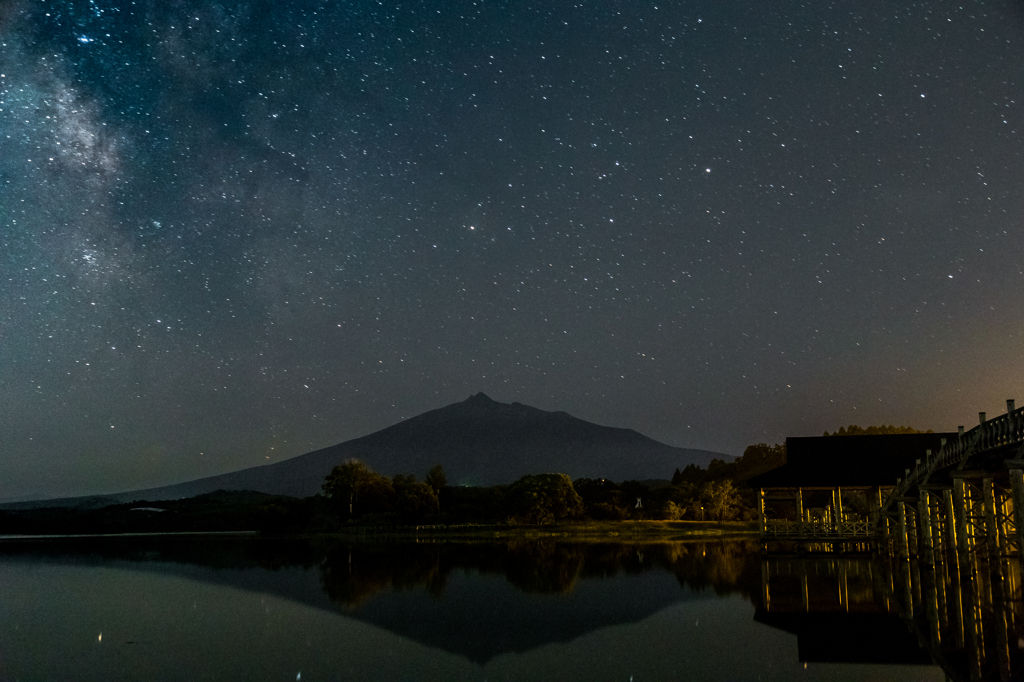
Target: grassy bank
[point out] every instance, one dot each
(589, 531)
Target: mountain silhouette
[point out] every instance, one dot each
(478, 441)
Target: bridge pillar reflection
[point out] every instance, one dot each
(958, 600)
(1000, 642)
(973, 625)
(930, 594)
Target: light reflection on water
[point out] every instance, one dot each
(446, 612)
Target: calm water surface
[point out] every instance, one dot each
(230, 608)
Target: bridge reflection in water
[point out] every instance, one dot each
(966, 617)
(945, 532)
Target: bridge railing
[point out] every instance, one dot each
(1004, 430)
(783, 528)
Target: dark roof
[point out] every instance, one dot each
(849, 460)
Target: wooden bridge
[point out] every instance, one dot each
(968, 496)
(944, 524)
(961, 490)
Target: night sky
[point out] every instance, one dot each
(233, 232)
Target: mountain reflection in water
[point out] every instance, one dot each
(404, 610)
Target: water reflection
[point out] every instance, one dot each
(354, 573)
(239, 608)
(839, 609)
(968, 609)
(963, 612)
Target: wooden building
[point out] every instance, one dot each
(832, 487)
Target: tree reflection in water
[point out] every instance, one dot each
(352, 574)
(486, 601)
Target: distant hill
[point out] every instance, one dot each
(478, 441)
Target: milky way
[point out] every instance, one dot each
(234, 232)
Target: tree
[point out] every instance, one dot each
(377, 496)
(542, 498)
(606, 511)
(692, 473)
(436, 478)
(883, 430)
(671, 511)
(347, 480)
(720, 498)
(759, 458)
(413, 500)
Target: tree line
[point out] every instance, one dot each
(883, 430)
(355, 494)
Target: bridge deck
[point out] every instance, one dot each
(1005, 432)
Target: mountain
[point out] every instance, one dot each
(478, 441)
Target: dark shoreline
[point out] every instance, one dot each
(591, 531)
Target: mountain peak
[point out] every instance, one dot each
(479, 442)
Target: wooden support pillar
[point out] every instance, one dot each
(1017, 491)
(880, 524)
(991, 520)
(903, 540)
(947, 500)
(837, 504)
(760, 511)
(924, 522)
(960, 502)
(913, 535)
(880, 587)
(800, 505)
(869, 497)
(941, 587)
(886, 534)
(908, 589)
(872, 518)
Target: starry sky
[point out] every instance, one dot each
(233, 232)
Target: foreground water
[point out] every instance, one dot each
(229, 608)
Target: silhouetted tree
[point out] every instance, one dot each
(414, 501)
(720, 499)
(436, 478)
(542, 498)
(883, 430)
(671, 511)
(348, 480)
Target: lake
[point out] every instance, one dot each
(242, 608)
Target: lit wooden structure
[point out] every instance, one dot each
(947, 526)
(968, 497)
(832, 488)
